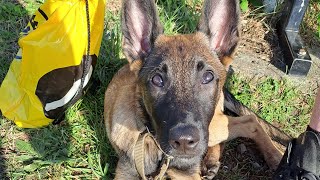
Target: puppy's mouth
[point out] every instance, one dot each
(185, 155)
(185, 162)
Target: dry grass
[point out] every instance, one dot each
(242, 165)
(310, 28)
(258, 38)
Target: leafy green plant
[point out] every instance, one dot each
(244, 5)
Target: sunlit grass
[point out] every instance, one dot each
(78, 148)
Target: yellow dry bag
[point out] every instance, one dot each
(53, 63)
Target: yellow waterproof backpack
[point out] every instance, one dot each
(54, 63)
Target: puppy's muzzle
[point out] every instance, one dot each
(184, 139)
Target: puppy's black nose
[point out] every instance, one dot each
(184, 138)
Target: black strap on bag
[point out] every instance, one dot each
(86, 67)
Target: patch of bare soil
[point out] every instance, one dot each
(242, 160)
(258, 39)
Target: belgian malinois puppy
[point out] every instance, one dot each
(173, 87)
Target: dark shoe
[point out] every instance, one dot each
(301, 159)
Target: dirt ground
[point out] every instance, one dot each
(259, 55)
(250, 65)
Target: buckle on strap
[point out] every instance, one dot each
(139, 154)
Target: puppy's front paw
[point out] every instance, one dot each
(273, 159)
(210, 170)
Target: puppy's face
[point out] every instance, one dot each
(180, 82)
(180, 77)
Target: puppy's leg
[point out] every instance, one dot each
(211, 162)
(224, 128)
(125, 170)
(178, 175)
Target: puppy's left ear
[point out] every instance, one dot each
(220, 22)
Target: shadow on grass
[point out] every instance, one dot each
(45, 147)
(109, 62)
(78, 146)
(13, 18)
(92, 105)
(42, 152)
(33, 153)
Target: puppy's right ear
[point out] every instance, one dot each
(140, 28)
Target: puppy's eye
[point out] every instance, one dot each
(207, 77)
(157, 80)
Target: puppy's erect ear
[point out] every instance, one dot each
(140, 28)
(220, 21)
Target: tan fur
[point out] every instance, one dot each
(190, 44)
(125, 121)
(226, 61)
(178, 175)
(134, 99)
(224, 128)
(125, 128)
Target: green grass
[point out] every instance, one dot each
(11, 17)
(78, 148)
(276, 101)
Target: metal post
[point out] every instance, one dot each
(296, 55)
